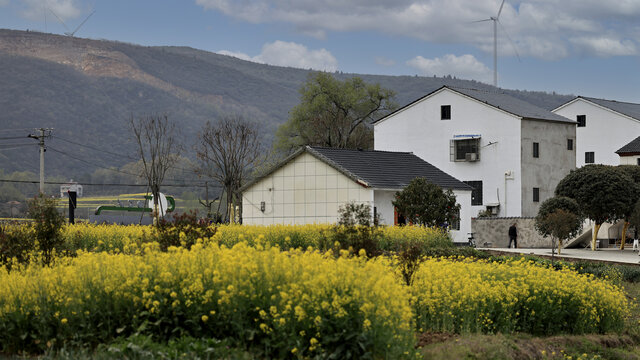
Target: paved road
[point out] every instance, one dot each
(626, 256)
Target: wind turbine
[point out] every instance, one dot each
(68, 32)
(496, 20)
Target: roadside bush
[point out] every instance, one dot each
(183, 231)
(47, 225)
(17, 245)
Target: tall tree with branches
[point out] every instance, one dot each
(158, 149)
(227, 151)
(334, 113)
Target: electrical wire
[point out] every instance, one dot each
(15, 146)
(96, 149)
(96, 184)
(13, 137)
(113, 153)
(106, 168)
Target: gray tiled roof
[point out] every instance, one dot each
(501, 101)
(632, 147)
(625, 108)
(386, 169)
(512, 105)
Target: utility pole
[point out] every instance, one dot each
(44, 133)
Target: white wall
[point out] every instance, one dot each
(629, 160)
(304, 191)
(605, 131)
(418, 129)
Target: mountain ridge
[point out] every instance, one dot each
(88, 89)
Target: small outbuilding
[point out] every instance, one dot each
(630, 153)
(310, 185)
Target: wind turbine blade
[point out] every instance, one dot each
(511, 41)
(477, 21)
(499, 11)
(82, 23)
(60, 20)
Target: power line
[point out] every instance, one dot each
(113, 153)
(97, 149)
(93, 164)
(102, 167)
(96, 184)
(14, 146)
(13, 137)
(10, 130)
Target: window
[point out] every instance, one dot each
(445, 112)
(569, 144)
(476, 193)
(465, 149)
(536, 194)
(638, 160)
(456, 222)
(589, 157)
(536, 150)
(582, 120)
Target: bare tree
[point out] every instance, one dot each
(158, 149)
(227, 151)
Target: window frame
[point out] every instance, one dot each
(455, 145)
(536, 194)
(582, 120)
(476, 193)
(536, 150)
(570, 144)
(589, 155)
(445, 112)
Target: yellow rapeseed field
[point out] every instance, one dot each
(468, 295)
(297, 302)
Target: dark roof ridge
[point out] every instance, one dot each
(500, 91)
(369, 150)
(602, 99)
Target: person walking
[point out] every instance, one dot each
(513, 236)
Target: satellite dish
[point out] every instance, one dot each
(162, 204)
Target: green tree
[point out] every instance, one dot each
(334, 113)
(633, 171)
(602, 192)
(47, 224)
(559, 217)
(425, 203)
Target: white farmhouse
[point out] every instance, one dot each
(604, 126)
(310, 185)
(511, 152)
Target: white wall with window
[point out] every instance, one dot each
(474, 127)
(600, 131)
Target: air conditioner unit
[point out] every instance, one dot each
(471, 157)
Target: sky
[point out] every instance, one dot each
(580, 47)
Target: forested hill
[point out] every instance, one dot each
(88, 89)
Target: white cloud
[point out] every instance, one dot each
(64, 9)
(464, 66)
(381, 60)
(550, 25)
(291, 54)
(606, 47)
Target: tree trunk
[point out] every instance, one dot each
(559, 246)
(594, 236)
(624, 234)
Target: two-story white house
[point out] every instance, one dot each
(604, 126)
(512, 153)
